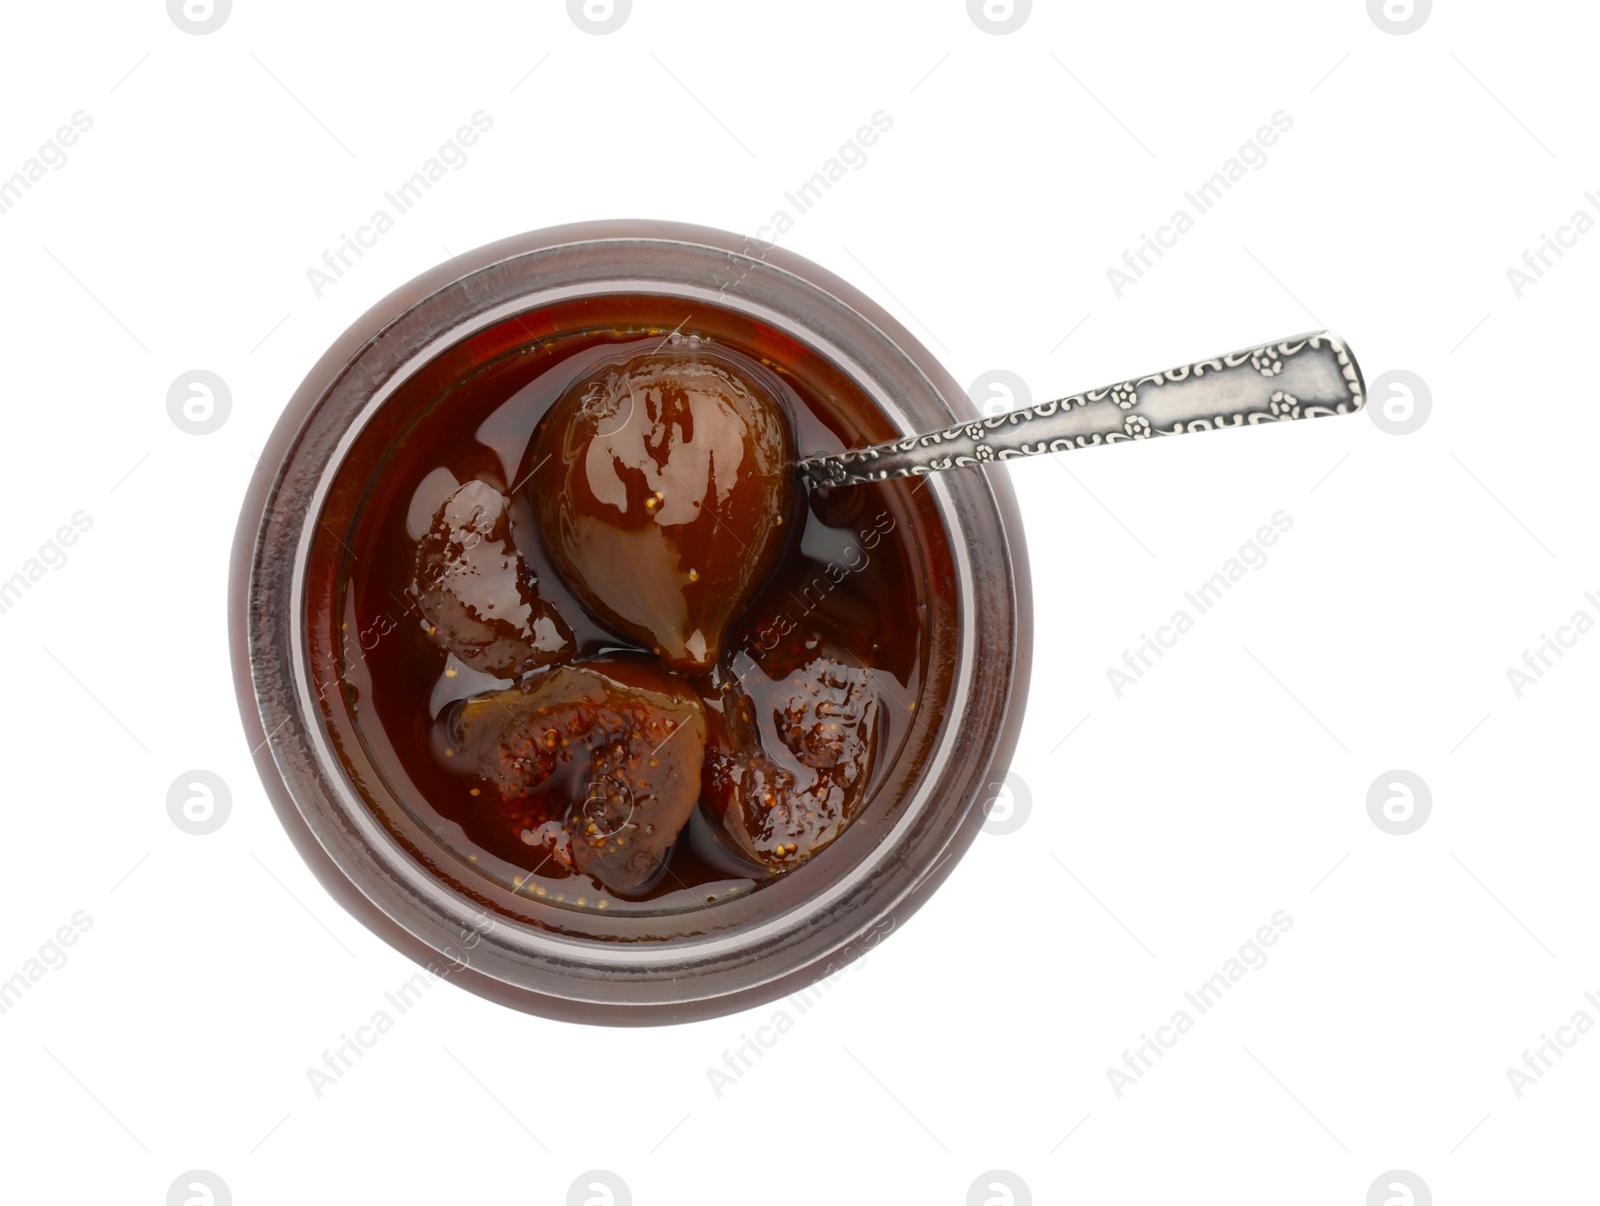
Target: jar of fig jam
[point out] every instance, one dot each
(912, 594)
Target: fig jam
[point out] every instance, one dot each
(527, 731)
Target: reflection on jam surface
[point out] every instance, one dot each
(519, 707)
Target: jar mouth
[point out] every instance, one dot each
(726, 956)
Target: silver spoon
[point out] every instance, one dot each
(1305, 377)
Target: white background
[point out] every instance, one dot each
(1229, 783)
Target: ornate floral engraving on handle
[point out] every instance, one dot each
(1305, 377)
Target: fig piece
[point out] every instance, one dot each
(598, 762)
(789, 755)
(475, 592)
(670, 477)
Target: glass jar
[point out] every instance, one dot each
(388, 871)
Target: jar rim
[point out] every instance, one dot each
(535, 968)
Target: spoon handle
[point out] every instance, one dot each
(1305, 377)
